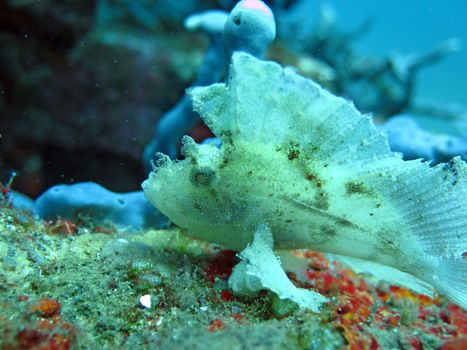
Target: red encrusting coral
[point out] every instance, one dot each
(216, 325)
(62, 227)
(46, 307)
(361, 309)
(221, 266)
(42, 327)
(226, 295)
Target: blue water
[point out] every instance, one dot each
(414, 26)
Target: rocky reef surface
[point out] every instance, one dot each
(74, 285)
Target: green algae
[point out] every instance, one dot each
(99, 277)
(98, 274)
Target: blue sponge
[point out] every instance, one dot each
(250, 28)
(88, 198)
(407, 137)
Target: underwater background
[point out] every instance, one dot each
(408, 27)
(84, 83)
(83, 86)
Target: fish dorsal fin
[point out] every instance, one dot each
(267, 104)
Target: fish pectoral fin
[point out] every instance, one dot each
(261, 269)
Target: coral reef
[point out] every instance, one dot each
(81, 290)
(84, 267)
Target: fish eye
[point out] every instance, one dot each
(202, 176)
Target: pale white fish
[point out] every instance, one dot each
(306, 167)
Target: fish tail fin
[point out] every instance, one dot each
(437, 216)
(452, 281)
(431, 203)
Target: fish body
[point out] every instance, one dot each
(310, 167)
